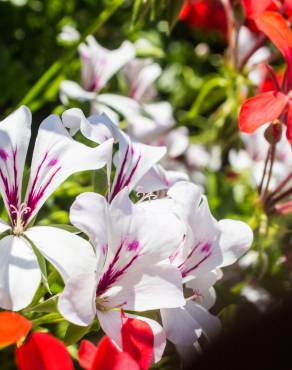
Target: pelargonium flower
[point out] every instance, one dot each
(133, 160)
(136, 353)
(272, 106)
(144, 118)
(56, 156)
(140, 75)
(132, 243)
(208, 15)
(208, 245)
(98, 66)
(255, 8)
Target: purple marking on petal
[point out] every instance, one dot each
(112, 274)
(133, 246)
(52, 162)
(3, 155)
(206, 248)
(11, 187)
(36, 194)
(104, 249)
(186, 272)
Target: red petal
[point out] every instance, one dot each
(13, 327)
(185, 11)
(86, 354)
(275, 27)
(261, 109)
(138, 341)
(43, 352)
(289, 124)
(288, 9)
(254, 8)
(109, 357)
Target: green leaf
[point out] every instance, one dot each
(50, 318)
(136, 11)
(99, 180)
(50, 305)
(74, 333)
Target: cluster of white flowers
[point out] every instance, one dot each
(158, 253)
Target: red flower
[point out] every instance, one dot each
(137, 349)
(13, 328)
(40, 351)
(255, 8)
(207, 15)
(273, 105)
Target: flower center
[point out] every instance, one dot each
(18, 219)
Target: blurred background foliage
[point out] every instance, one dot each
(204, 90)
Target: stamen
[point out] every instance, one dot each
(145, 196)
(19, 223)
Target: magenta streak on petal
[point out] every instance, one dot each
(133, 246)
(122, 181)
(112, 274)
(11, 194)
(53, 162)
(194, 248)
(186, 272)
(119, 181)
(35, 195)
(3, 155)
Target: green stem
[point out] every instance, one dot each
(206, 89)
(60, 63)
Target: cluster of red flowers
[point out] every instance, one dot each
(270, 17)
(42, 351)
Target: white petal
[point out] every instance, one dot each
(148, 288)
(210, 324)
(72, 90)
(182, 329)
(157, 178)
(20, 275)
(156, 230)
(14, 140)
(236, 238)
(100, 64)
(177, 142)
(203, 289)
(57, 156)
(151, 123)
(134, 161)
(97, 130)
(68, 253)
(125, 106)
(111, 324)
(77, 303)
(89, 214)
(141, 74)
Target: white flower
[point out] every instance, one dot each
(98, 66)
(132, 243)
(56, 156)
(132, 161)
(141, 75)
(208, 245)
